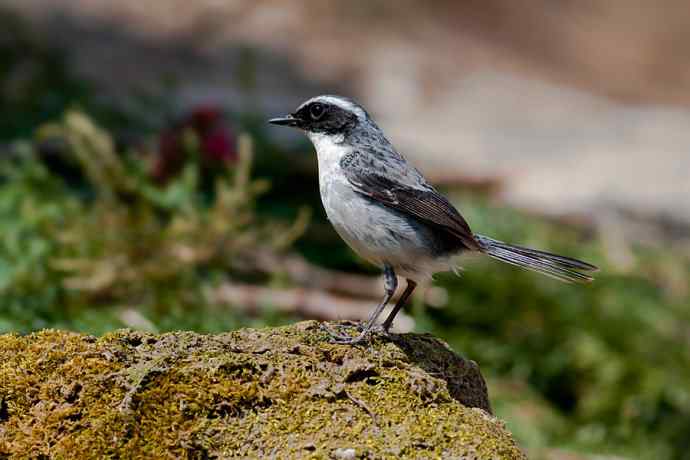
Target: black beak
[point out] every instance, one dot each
(287, 120)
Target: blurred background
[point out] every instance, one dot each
(141, 187)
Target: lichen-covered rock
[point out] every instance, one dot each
(269, 393)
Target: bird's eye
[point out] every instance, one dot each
(316, 111)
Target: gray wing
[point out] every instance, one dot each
(403, 188)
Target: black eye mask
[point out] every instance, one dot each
(326, 118)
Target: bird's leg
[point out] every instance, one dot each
(401, 303)
(390, 284)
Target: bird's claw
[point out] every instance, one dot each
(351, 340)
(363, 335)
(337, 337)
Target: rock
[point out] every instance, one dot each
(268, 393)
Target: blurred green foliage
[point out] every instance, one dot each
(613, 356)
(119, 241)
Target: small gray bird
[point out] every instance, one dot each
(387, 212)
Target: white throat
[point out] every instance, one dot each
(329, 150)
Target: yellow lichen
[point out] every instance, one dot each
(283, 392)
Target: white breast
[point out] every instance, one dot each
(329, 150)
(364, 225)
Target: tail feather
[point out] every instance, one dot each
(559, 267)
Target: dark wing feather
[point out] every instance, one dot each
(426, 204)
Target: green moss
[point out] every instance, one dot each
(249, 393)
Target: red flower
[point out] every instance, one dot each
(217, 143)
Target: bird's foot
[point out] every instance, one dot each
(363, 336)
(340, 335)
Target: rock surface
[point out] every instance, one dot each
(268, 393)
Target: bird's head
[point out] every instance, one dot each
(326, 115)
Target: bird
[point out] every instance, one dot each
(390, 215)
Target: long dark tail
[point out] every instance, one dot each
(558, 267)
